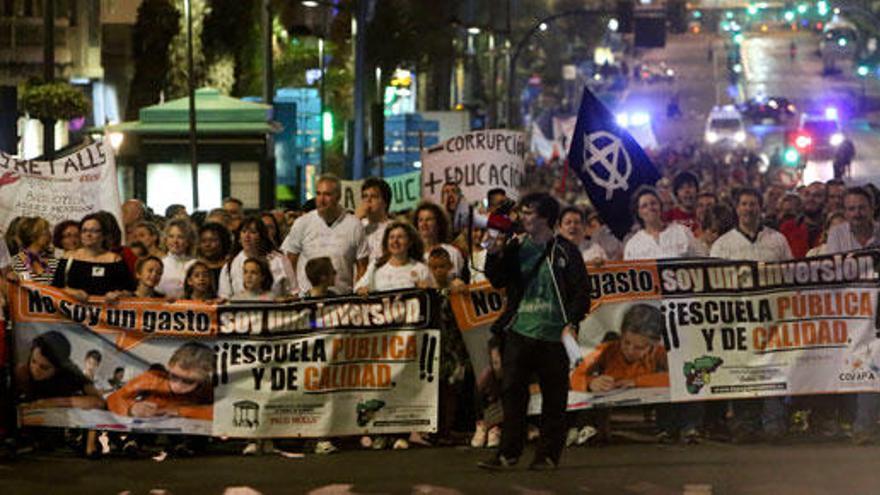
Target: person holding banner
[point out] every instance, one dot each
(35, 261)
(860, 231)
(657, 239)
(751, 241)
(331, 231)
(93, 269)
(255, 243)
(65, 238)
(547, 296)
(400, 267)
(180, 240)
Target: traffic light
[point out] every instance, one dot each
(863, 70)
(791, 157)
(752, 9)
(738, 38)
(789, 16)
(822, 7)
(842, 41)
(802, 8)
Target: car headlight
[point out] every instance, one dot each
(739, 137)
(623, 120)
(836, 139)
(711, 137)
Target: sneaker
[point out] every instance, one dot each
(665, 437)
(251, 448)
(400, 444)
(380, 443)
(497, 463)
(131, 449)
(366, 442)
(494, 438)
(571, 437)
(690, 436)
(104, 441)
(478, 441)
(324, 447)
(542, 464)
(585, 434)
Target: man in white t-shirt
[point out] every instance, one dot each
(329, 231)
(750, 240)
(860, 231)
(373, 213)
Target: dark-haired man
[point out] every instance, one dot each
(685, 187)
(373, 213)
(547, 296)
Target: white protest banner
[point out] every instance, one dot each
(743, 329)
(478, 162)
(67, 188)
(315, 368)
(405, 192)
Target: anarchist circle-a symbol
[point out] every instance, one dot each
(606, 162)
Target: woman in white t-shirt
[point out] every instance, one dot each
(433, 229)
(400, 266)
(180, 242)
(658, 239)
(253, 237)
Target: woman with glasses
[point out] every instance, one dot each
(93, 269)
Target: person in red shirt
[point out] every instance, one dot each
(685, 187)
(804, 231)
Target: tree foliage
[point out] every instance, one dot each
(157, 24)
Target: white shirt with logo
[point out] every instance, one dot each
(343, 242)
(841, 239)
(389, 277)
(768, 245)
(675, 241)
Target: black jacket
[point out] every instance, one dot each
(569, 271)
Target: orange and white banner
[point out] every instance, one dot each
(340, 366)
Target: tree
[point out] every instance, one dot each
(157, 24)
(231, 41)
(176, 84)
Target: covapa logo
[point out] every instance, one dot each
(864, 366)
(246, 414)
(698, 372)
(367, 410)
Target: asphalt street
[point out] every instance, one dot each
(622, 468)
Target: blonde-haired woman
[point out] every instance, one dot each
(180, 242)
(35, 261)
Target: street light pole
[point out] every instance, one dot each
(191, 86)
(357, 169)
(541, 25)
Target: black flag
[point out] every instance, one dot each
(609, 162)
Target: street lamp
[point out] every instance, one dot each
(542, 26)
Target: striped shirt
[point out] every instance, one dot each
(21, 267)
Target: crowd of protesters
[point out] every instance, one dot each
(704, 206)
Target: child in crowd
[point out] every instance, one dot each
(453, 354)
(322, 276)
(257, 281)
(199, 283)
(148, 272)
